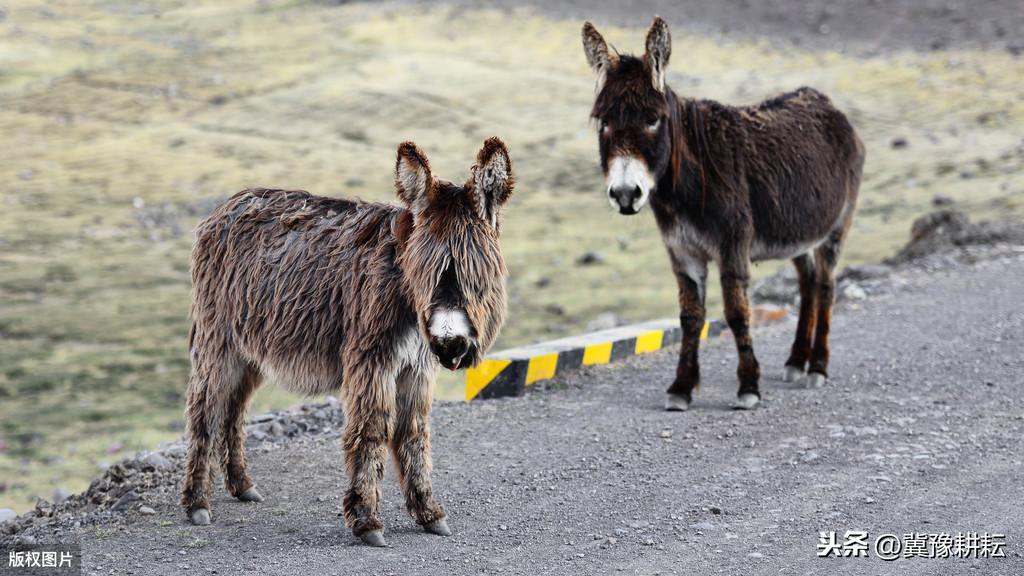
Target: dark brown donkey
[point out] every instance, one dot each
(322, 295)
(730, 184)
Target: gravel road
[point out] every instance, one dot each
(918, 431)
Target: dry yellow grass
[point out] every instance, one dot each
(116, 113)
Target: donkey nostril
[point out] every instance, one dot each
(459, 348)
(637, 193)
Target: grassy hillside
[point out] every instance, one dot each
(124, 123)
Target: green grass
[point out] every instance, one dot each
(115, 113)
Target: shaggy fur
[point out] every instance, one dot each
(733, 184)
(322, 295)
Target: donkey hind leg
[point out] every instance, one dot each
(369, 419)
(825, 258)
(735, 277)
(691, 275)
(801, 350)
(232, 441)
(410, 447)
(210, 376)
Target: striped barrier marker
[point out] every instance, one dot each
(510, 372)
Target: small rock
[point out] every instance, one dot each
(591, 257)
(808, 457)
(864, 272)
(503, 527)
(146, 511)
(555, 310)
(714, 509)
(609, 542)
(7, 514)
(853, 291)
(704, 526)
(60, 495)
(666, 433)
(43, 508)
(156, 461)
(899, 142)
(604, 321)
(176, 450)
(941, 200)
(126, 500)
(755, 555)
(780, 288)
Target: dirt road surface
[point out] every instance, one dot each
(918, 432)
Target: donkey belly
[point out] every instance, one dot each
(313, 373)
(305, 376)
(762, 250)
(804, 228)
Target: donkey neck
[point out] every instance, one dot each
(683, 196)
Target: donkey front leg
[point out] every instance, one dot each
(369, 419)
(735, 277)
(691, 274)
(411, 448)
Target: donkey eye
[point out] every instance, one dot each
(653, 127)
(605, 127)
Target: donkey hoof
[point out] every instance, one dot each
(677, 403)
(815, 380)
(374, 538)
(792, 374)
(747, 401)
(200, 517)
(250, 495)
(439, 527)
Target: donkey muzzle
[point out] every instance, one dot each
(452, 352)
(626, 198)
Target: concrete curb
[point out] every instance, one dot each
(510, 372)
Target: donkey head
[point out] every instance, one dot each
(452, 268)
(632, 114)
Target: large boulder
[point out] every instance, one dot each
(946, 229)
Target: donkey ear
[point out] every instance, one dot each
(412, 177)
(600, 58)
(492, 178)
(659, 48)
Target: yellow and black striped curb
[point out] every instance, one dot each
(510, 372)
